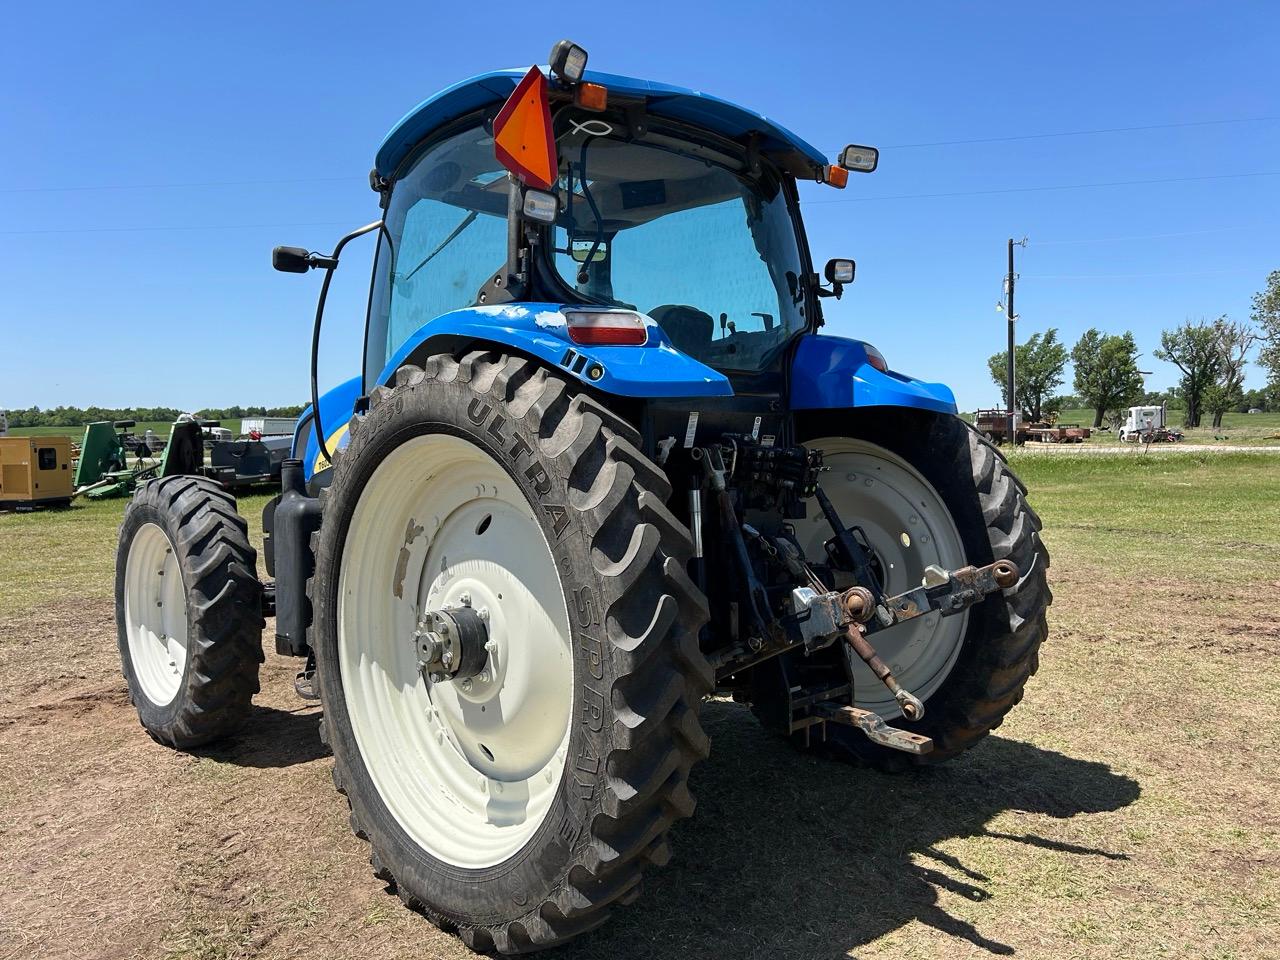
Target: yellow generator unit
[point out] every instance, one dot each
(35, 471)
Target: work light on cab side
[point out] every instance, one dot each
(596, 464)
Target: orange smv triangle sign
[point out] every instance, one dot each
(522, 133)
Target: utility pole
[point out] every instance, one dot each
(1009, 281)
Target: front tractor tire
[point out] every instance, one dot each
(516, 805)
(188, 610)
(928, 489)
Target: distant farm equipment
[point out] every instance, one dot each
(114, 460)
(34, 472)
(248, 461)
(1058, 432)
(994, 425)
(268, 426)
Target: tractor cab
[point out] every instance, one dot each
(672, 213)
(661, 217)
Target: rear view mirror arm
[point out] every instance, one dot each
(328, 264)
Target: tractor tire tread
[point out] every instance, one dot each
(652, 626)
(224, 608)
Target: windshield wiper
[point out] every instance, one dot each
(466, 221)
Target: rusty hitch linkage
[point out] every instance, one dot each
(854, 613)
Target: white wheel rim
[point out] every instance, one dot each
(155, 614)
(908, 527)
(469, 774)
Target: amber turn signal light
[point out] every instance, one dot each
(591, 96)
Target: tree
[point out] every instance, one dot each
(1106, 372)
(1194, 349)
(1235, 340)
(1040, 362)
(1266, 315)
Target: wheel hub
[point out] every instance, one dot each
(453, 644)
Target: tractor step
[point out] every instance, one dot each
(873, 725)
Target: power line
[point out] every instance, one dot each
(1146, 236)
(147, 228)
(176, 186)
(1064, 186)
(1081, 133)
(1134, 276)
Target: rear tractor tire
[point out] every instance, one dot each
(933, 491)
(188, 610)
(517, 802)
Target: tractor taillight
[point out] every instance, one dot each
(606, 328)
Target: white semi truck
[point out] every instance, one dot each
(1147, 424)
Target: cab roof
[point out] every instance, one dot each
(661, 99)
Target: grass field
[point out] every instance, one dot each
(1129, 807)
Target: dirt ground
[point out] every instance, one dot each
(1129, 808)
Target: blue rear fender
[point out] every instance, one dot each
(656, 369)
(336, 408)
(832, 373)
(827, 373)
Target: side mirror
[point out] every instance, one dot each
(859, 159)
(291, 259)
(840, 272)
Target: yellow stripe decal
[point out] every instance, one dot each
(332, 444)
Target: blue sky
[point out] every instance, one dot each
(154, 153)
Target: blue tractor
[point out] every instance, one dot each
(599, 462)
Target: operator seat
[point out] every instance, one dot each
(688, 327)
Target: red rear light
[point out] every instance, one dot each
(608, 328)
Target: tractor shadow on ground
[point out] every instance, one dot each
(271, 737)
(796, 857)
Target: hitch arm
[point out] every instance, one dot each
(948, 592)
